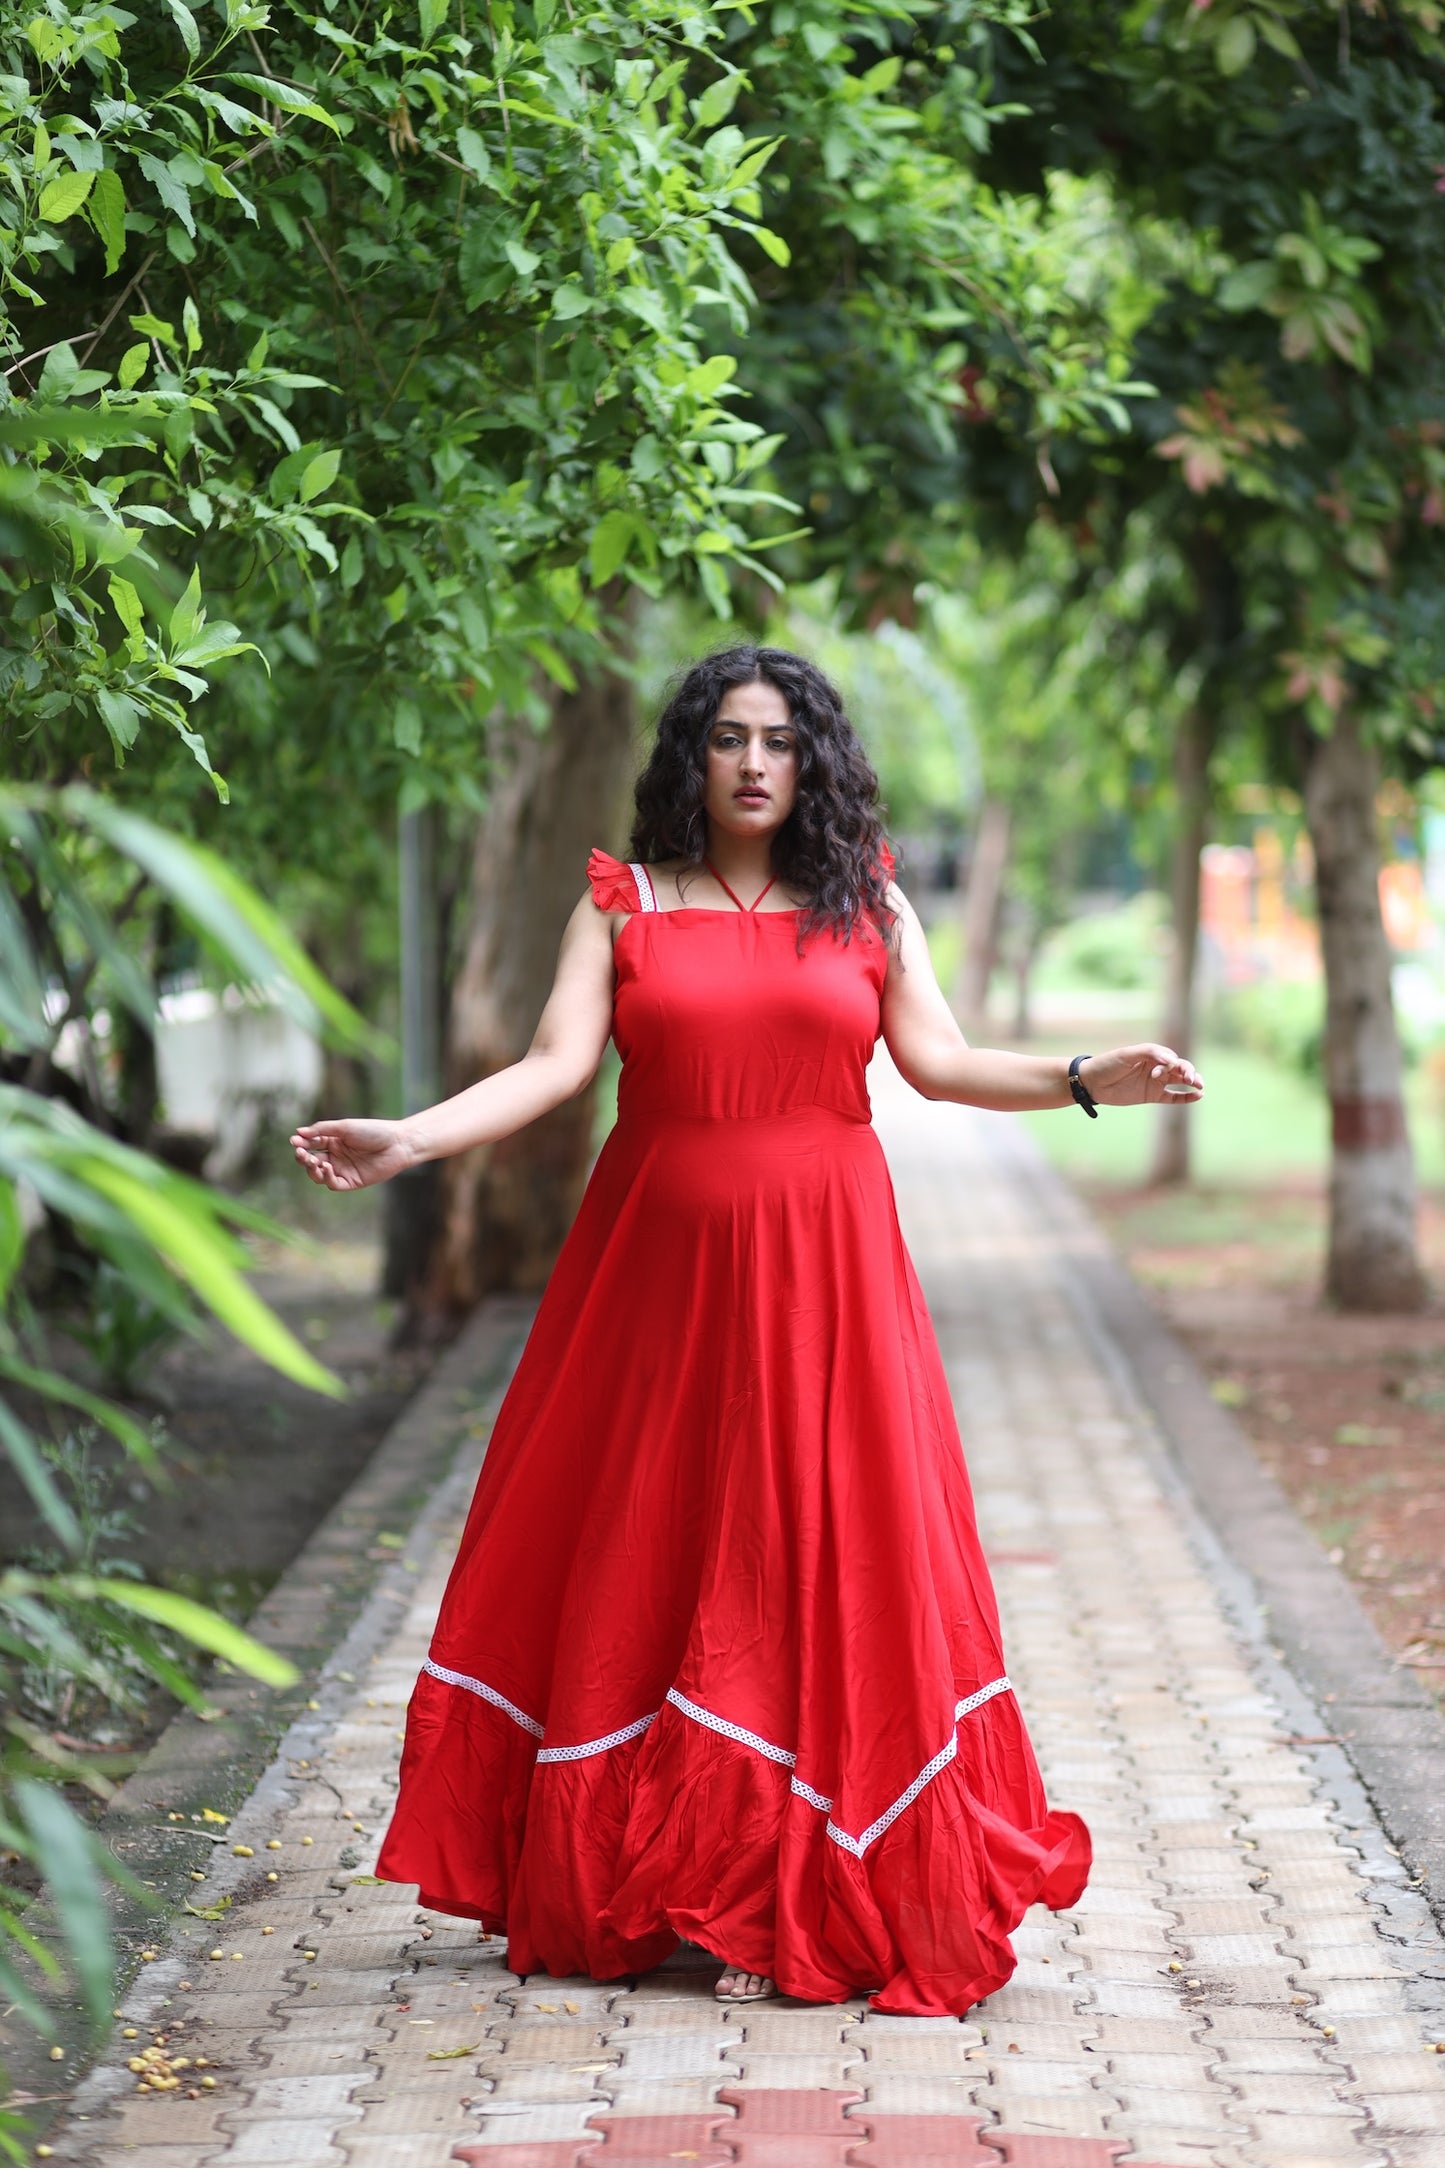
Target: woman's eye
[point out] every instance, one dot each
(780, 745)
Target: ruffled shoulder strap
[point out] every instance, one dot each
(886, 861)
(619, 887)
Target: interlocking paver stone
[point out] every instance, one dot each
(1246, 1861)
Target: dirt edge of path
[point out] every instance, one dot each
(1306, 1610)
(216, 1762)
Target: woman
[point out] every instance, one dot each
(719, 1657)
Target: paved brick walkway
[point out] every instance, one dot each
(1248, 1983)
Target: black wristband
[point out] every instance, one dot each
(1082, 1096)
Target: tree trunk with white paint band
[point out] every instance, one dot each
(1373, 1257)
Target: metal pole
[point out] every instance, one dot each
(420, 1018)
(411, 1200)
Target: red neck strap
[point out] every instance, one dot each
(747, 909)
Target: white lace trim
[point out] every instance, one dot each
(743, 1737)
(597, 1746)
(487, 1693)
(646, 895)
(739, 1733)
(856, 1845)
(985, 1693)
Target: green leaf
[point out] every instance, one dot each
(185, 22)
(523, 260)
(66, 1853)
(190, 1246)
(133, 365)
(187, 616)
(205, 1628)
(229, 911)
(62, 198)
(718, 100)
(571, 300)
(126, 603)
(191, 325)
(715, 586)
(709, 377)
(1247, 287)
(49, 1385)
(156, 327)
(121, 715)
(319, 474)
(1234, 47)
(611, 540)
(772, 244)
(473, 153)
(107, 215)
(24, 1457)
(57, 378)
(210, 644)
(288, 97)
(172, 190)
(881, 76)
(406, 726)
(1275, 33)
(12, 1236)
(433, 15)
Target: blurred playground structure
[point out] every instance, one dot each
(1257, 923)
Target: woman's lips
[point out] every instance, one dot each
(751, 797)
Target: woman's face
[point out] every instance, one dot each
(752, 762)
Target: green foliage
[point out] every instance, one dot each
(1293, 457)
(927, 311)
(1120, 950)
(513, 324)
(1063, 657)
(481, 248)
(1283, 1020)
(908, 705)
(175, 1248)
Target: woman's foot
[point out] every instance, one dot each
(737, 1985)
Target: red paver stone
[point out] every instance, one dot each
(659, 2141)
(1021, 2150)
(622, 2141)
(804, 2129)
(900, 2141)
(541, 2153)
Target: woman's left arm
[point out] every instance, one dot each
(928, 1048)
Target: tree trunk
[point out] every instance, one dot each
(1373, 1260)
(1193, 749)
(1030, 942)
(982, 904)
(505, 1208)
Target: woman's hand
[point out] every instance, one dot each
(1132, 1076)
(352, 1154)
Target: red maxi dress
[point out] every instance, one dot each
(719, 1659)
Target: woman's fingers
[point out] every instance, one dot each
(1174, 1074)
(1150, 1073)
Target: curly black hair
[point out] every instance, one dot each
(830, 849)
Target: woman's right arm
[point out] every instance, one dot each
(566, 1048)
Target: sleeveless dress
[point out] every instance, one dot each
(719, 1658)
